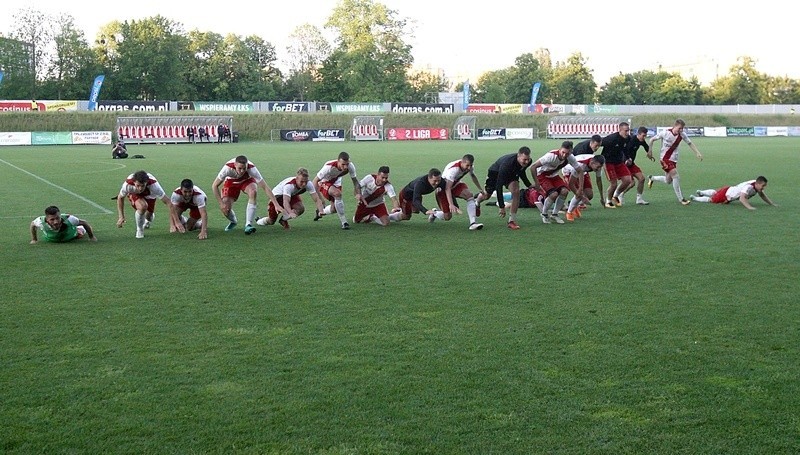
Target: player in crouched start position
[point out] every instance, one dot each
(328, 182)
(741, 192)
(589, 163)
(411, 194)
(142, 189)
(454, 187)
(236, 176)
(192, 198)
(547, 177)
(372, 208)
(288, 192)
(58, 228)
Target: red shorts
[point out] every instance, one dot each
(550, 184)
(668, 166)
(273, 212)
(587, 181)
(151, 203)
(719, 196)
(441, 196)
(232, 188)
(362, 212)
(406, 206)
(324, 187)
(194, 212)
(532, 196)
(634, 169)
(617, 171)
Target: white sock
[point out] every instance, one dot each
(232, 217)
(339, 203)
(701, 199)
(438, 214)
(512, 217)
(328, 209)
(708, 193)
(572, 204)
(676, 185)
(395, 216)
(199, 224)
(559, 204)
(471, 210)
(139, 220)
(660, 178)
(547, 204)
(251, 213)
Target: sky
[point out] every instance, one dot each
(694, 38)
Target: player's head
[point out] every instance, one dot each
(597, 162)
(343, 161)
(524, 156)
(52, 216)
(679, 126)
(301, 177)
(761, 183)
(434, 177)
(641, 133)
(594, 142)
(187, 188)
(140, 179)
(240, 164)
(467, 161)
(565, 149)
(624, 129)
(382, 176)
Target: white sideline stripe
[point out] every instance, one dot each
(30, 217)
(93, 204)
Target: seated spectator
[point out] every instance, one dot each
(202, 133)
(119, 151)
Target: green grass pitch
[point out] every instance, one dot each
(657, 329)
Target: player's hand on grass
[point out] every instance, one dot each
(203, 235)
(120, 221)
(502, 212)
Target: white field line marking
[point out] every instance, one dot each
(93, 204)
(30, 217)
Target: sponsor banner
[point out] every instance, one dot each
(550, 108)
(759, 131)
(491, 133)
(295, 135)
(223, 107)
(483, 109)
(319, 135)
(715, 131)
(693, 131)
(94, 92)
(323, 107)
(60, 106)
(600, 109)
(534, 95)
(286, 106)
(332, 135)
(357, 108)
(91, 137)
(519, 133)
(794, 131)
(23, 138)
(15, 106)
(51, 138)
(147, 106)
(185, 105)
(415, 134)
(420, 108)
(739, 131)
(777, 131)
(465, 102)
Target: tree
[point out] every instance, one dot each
(423, 83)
(743, 85)
(572, 82)
(69, 73)
(371, 59)
(36, 29)
(783, 90)
(306, 51)
(520, 78)
(152, 59)
(491, 87)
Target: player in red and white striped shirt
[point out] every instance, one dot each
(455, 188)
(741, 192)
(372, 208)
(192, 198)
(671, 139)
(328, 182)
(236, 176)
(288, 192)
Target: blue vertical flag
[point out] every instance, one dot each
(95, 93)
(1, 77)
(534, 95)
(466, 95)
